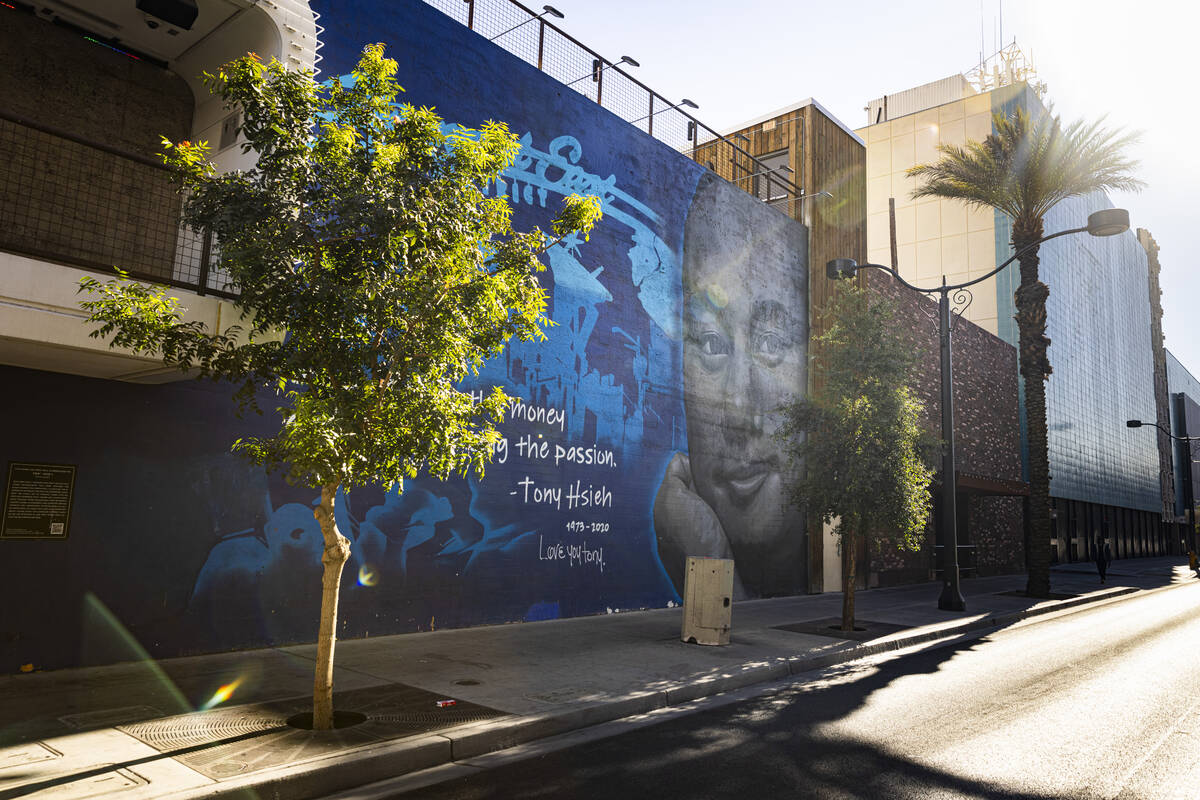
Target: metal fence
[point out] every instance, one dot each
(531, 37)
(68, 200)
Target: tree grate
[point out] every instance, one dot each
(228, 742)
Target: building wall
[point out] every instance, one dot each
(1098, 311)
(986, 431)
(62, 197)
(1162, 395)
(71, 83)
(934, 237)
(1098, 321)
(640, 431)
(826, 191)
(1180, 381)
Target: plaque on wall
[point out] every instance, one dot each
(37, 501)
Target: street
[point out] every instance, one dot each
(1102, 703)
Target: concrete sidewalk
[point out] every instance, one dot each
(133, 730)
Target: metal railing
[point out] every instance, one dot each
(72, 201)
(529, 36)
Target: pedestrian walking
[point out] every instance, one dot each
(1103, 557)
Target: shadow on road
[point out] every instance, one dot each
(769, 746)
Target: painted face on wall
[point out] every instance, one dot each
(745, 354)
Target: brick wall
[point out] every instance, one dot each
(72, 201)
(61, 79)
(986, 431)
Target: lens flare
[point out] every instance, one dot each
(221, 695)
(717, 296)
(367, 576)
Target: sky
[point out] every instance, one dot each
(1126, 61)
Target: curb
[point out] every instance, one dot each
(361, 766)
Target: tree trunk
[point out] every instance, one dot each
(1033, 345)
(337, 552)
(849, 559)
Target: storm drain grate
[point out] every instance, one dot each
(107, 717)
(226, 742)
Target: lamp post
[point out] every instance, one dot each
(1187, 440)
(551, 10)
(1106, 222)
(681, 103)
(599, 65)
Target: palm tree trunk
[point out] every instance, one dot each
(337, 552)
(1035, 368)
(849, 558)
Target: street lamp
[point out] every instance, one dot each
(599, 65)
(1188, 498)
(1137, 423)
(1106, 222)
(683, 102)
(551, 10)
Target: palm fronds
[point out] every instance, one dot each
(1029, 163)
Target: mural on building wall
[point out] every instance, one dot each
(638, 433)
(565, 504)
(745, 353)
(604, 446)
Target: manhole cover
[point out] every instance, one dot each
(233, 741)
(467, 682)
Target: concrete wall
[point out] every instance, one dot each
(639, 432)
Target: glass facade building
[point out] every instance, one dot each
(1098, 321)
(1185, 421)
(1105, 479)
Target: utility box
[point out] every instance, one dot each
(707, 600)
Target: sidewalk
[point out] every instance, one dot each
(132, 729)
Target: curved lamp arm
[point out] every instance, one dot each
(1137, 423)
(1105, 222)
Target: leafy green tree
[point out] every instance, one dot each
(1023, 168)
(374, 275)
(863, 455)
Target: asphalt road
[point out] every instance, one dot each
(1102, 703)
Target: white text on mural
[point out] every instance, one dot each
(562, 491)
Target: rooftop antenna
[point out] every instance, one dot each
(982, 45)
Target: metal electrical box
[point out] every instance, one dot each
(707, 600)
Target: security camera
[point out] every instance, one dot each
(152, 24)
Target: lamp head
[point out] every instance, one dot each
(1133, 423)
(840, 268)
(1108, 222)
(688, 103)
(629, 61)
(554, 12)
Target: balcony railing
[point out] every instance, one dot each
(532, 38)
(71, 201)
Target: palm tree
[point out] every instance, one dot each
(1023, 168)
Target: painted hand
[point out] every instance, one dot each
(686, 526)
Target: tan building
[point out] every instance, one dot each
(934, 237)
(1100, 310)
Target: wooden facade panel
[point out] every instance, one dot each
(823, 157)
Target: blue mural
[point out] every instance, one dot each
(639, 433)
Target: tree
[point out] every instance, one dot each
(858, 439)
(374, 276)
(1023, 168)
